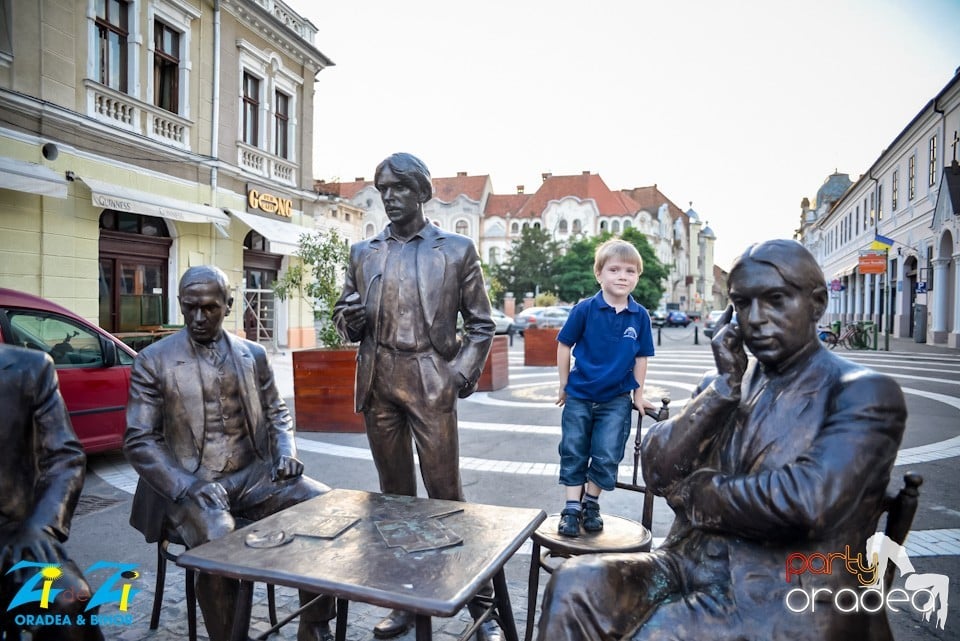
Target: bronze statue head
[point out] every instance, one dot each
(779, 293)
(205, 300)
(404, 185)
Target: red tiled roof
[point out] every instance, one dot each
(345, 190)
(506, 205)
(448, 189)
(650, 198)
(583, 186)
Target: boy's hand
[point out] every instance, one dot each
(561, 397)
(644, 405)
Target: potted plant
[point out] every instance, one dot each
(323, 378)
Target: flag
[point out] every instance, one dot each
(881, 242)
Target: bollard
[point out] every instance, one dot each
(696, 334)
(659, 331)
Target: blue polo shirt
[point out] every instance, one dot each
(605, 345)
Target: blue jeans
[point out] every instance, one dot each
(592, 439)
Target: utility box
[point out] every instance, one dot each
(920, 323)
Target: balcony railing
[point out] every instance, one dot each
(124, 111)
(261, 163)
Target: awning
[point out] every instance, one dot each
(110, 196)
(284, 238)
(31, 178)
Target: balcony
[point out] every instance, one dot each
(126, 112)
(261, 163)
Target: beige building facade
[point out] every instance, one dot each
(143, 137)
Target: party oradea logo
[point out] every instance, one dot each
(41, 588)
(922, 593)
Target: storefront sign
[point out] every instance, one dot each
(266, 202)
(872, 262)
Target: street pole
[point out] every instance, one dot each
(889, 304)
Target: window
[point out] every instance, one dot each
(879, 202)
(873, 206)
(112, 33)
(912, 177)
(251, 109)
(894, 190)
(166, 67)
(577, 226)
(932, 168)
(627, 224)
(461, 228)
(514, 228)
(562, 228)
(68, 344)
(856, 218)
(494, 255)
(615, 227)
(282, 125)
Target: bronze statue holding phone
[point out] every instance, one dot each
(786, 452)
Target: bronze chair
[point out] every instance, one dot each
(901, 508)
(619, 534)
(170, 537)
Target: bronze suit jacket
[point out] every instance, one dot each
(41, 462)
(801, 464)
(449, 279)
(165, 424)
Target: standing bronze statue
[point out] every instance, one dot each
(403, 291)
(788, 452)
(41, 472)
(212, 441)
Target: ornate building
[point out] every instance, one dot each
(141, 137)
(907, 203)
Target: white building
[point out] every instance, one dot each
(910, 196)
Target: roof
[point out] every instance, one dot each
(585, 186)
(343, 189)
(650, 198)
(448, 190)
(506, 205)
(951, 184)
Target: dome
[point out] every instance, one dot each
(834, 187)
(708, 233)
(692, 215)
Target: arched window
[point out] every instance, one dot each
(603, 226)
(627, 224)
(536, 225)
(615, 227)
(514, 227)
(562, 227)
(369, 230)
(494, 256)
(462, 228)
(577, 226)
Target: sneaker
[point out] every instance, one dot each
(591, 517)
(569, 523)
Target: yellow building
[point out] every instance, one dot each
(141, 137)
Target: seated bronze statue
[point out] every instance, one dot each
(213, 441)
(786, 452)
(42, 467)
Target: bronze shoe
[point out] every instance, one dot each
(394, 624)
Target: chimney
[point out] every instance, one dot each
(461, 174)
(545, 176)
(586, 173)
(359, 179)
(519, 189)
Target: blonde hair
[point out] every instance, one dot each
(617, 249)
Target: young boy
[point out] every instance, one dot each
(611, 338)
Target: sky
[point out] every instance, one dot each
(741, 107)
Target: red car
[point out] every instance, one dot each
(93, 366)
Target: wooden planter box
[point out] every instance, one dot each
(496, 371)
(323, 386)
(540, 347)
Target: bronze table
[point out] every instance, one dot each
(427, 556)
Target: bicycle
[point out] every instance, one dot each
(854, 336)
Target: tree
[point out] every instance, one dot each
(318, 277)
(529, 264)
